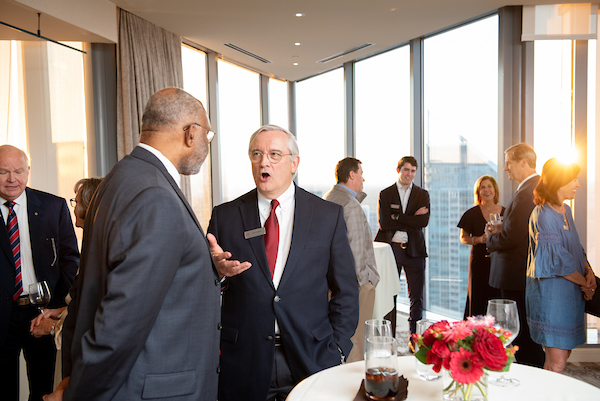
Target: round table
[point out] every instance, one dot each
(341, 383)
(389, 282)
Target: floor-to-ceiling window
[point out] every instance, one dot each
(278, 103)
(555, 88)
(239, 117)
(194, 82)
(382, 118)
(460, 103)
(320, 125)
(42, 90)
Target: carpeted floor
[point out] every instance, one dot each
(588, 372)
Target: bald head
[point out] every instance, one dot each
(169, 109)
(14, 172)
(176, 124)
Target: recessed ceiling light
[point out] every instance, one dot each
(297, 44)
(295, 63)
(299, 14)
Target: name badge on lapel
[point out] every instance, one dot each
(257, 232)
(395, 206)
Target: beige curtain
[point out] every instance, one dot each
(148, 60)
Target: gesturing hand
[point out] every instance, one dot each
(226, 267)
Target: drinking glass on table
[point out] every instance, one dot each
(424, 371)
(377, 328)
(39, 295)
(506, 317)
(381, 372)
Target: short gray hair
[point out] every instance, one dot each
(169, 108)
(292, 142)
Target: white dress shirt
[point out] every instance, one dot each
(402, 236)
(525, 180)
(285, 217)
(27, 269)
(171, 169)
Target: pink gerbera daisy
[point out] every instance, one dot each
(466, 367)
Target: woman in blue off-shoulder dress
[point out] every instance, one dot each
(559, 279)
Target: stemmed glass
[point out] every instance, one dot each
(506, 317)
(39, 295)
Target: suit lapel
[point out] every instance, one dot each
(145, 155)
(35, 215)
(303, 212)
(5, 242)
(251, 221)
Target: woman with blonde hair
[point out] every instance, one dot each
(472, 232)
(559, 279)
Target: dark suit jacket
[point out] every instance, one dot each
(413, 225)
(312, 326)
(145, 318)
(54, 249)
(508, 248)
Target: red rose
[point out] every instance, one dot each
(440, 349)
(429, 334)
(490, 349)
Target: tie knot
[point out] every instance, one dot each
(9, 204)
(274, 204)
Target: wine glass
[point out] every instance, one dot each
(495, 219)
(39, 295)
(506, 317)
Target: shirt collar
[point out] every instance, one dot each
(525, 180)
(352, 192)
(285, 199)
(171, 169)
(20, 200)
(400, 187)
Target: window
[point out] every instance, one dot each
(194, 82)
(461, 144)
(278, 103)
(42, 90)
(239, 117)
(320, 122)
(382, 112)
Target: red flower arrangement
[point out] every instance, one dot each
(465, 349)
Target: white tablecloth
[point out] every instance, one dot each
(341, 383)
(389, 283)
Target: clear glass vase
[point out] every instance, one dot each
(455, 391)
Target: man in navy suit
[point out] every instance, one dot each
(508, 245)
(293, 307)
(403, 212)
(42, 247)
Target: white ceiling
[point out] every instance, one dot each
(269, 28)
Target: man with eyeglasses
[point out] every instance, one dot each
(290, 309)
(144, 323)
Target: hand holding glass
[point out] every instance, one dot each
(39, 295)
(506, 317)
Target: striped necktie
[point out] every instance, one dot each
(15, 245)
(272, 237)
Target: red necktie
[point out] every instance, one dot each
(13, 235)
(272, 237)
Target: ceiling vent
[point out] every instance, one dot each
(247, 53)
(342, 54)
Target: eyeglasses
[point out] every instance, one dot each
(209, 134)
(274, 157)
(73, 202)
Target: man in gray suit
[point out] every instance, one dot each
(348, 192)
(145, 319)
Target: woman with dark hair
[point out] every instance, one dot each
(472, 232)
(559, 279)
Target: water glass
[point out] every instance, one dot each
(381, 371)
(425, 371)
